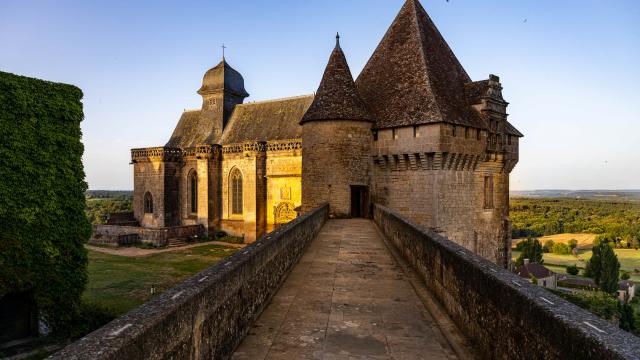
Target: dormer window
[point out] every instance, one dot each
(394, 134)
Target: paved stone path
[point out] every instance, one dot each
(347, 298)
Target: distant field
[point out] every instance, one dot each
(585, 241)
(629, 260)
(123, 283)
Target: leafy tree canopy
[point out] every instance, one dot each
(604, 268)
(532, 250)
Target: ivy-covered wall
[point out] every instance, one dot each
(42, 222)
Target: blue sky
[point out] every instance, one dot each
(570, 69)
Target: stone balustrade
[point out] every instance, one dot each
(155, 153)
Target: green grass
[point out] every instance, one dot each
(123, 283)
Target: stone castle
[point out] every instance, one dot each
(413, 133)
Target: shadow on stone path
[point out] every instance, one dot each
(347, 298)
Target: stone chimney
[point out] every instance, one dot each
(526, 261)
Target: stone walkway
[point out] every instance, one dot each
(347, 298)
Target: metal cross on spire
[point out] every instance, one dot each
(223, 47)
(337, 40)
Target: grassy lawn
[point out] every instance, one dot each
(123, 283)
(629, 260)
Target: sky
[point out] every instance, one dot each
(570, 69)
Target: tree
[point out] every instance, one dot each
(573, 243)
(548, 246)
(572, 270)
(625, 276)
(627, 318)
(561, 249)
(604, 268)
(520, 245)
(532, 250)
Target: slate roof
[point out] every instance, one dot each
(223, 77)
(414, 78)
(625, 285)
(511, 130)
(267, 120)
(534, 269)
(337, 98)
(190, 131)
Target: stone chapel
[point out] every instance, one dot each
(413, 132)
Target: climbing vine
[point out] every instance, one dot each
(42, 222)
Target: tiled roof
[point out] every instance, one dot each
(511, 130)
(337, 98)
(190, 131)
(267, 120)
(414, 78)
(533, 269)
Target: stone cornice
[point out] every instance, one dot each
(155, 154)
(262, 146)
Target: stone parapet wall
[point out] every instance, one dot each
(504, 316)
(117, 235)
(207, 315)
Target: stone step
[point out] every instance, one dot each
(175, 242)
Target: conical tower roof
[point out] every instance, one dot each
(413, 77)
(337, 97)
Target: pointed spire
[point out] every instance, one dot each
(337, 98)
(413, 77)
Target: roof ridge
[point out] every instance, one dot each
(276, 100)
(421, 51)
(413, 77)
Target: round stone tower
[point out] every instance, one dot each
(336, 144)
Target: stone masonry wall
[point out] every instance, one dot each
(240, 224)
(109, 234)
(504, 316)
(149, 176)
(335, 155)
(436, 179)
(207, 315)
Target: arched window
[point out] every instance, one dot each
(148, 203)
(193, 192)
(235, 189)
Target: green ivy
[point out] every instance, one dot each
(43, 226)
